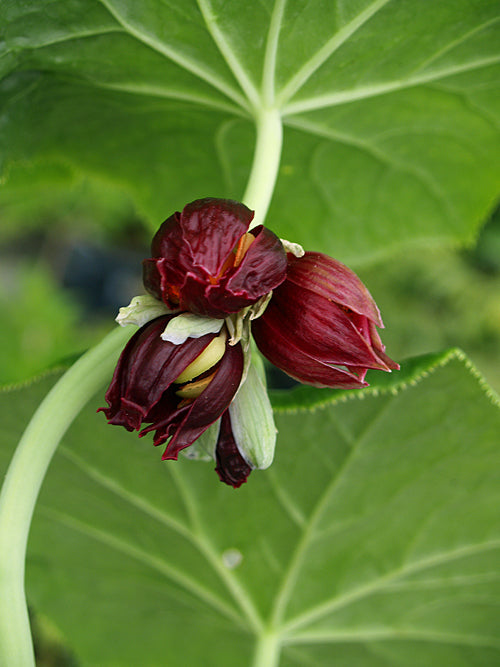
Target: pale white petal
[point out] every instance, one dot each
(188, 325)
(142, 309)
(294, 248)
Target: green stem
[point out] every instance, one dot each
(265, 166)
(267, 650)
(24, 479)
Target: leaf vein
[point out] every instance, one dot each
(228, 54)
(196, 539)
(171, 94)
(182, 60)
(377, 585)
(239, 593)
(321, 56)
(417, 173)
(163, 567)
(395, 635)
(272, 42)
(456, 42)
(365, 92)
(291, 574)
(63, 39)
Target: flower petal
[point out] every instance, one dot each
(145, 370)
(189, 325)
(212, 227)
(187, 422)
(141, 309)
(231, 466)
(283, 353)
(262, 268)
(204, 261)
(319, 327)
(334, 281)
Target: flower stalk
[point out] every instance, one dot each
(265, 166)
(24, 479)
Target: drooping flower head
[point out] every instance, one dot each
(187, 374)
(320, 326)
(204, 260)
(178, 391)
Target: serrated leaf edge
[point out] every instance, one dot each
(398, 387)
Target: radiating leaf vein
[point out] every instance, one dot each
(180, 59)
(271, 52)
(428, 182)
(240, 594)
(290, 576)
(164, 92)
(456, 42)
(380, 584)
(285, 499)
(405, 634)
(327, 50)
(239, 72)
(63, 39)
(363, 92)
(158, 564)
(191, 534)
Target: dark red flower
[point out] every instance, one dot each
(152, 387)
(320, 325)
(231, 466)
(205, 261)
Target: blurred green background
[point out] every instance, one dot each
(71, 251)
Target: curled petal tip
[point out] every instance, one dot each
(320, 326)
(205, 261)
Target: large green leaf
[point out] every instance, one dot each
(372, 540)
(390, 107)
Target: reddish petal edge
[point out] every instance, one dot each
(262, 268)
(186, 424)
(299, 365)
(333, 280)
(146, 368)
(321, 328)
(211, 228)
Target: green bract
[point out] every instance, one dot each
(252, 421)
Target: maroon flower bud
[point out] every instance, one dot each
(320, 325)
(231, 466)
(175, 390)
(205, 261)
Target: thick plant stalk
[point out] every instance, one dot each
(24, 479)
(265, 166)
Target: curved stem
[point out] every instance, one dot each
(265, 166)
(24, 479)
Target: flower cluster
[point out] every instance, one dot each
(213, 284)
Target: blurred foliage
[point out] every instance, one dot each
(43, 196)
(41, 323)
(441, 298)
(65, 267)
(50, 650)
